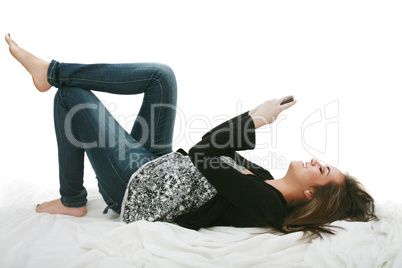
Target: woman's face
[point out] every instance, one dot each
(311, 174)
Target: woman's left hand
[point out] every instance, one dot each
(267, 112)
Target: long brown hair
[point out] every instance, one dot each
(331, 202)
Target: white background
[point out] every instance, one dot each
(228, 56)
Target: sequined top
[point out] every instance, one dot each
(167, 187)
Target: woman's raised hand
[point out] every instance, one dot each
(267, 112)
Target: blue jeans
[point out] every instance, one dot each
(83, 124)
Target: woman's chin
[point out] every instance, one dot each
(296, 164)
(295, 168)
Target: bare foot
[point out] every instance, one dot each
(35, 66)
(56, 207)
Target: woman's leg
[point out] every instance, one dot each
(154, 124)
(82, 123)
(153, 127)
(155, 121)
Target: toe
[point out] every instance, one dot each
(10, 41)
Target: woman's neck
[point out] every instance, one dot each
(289, 191)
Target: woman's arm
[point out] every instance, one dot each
(267, 112)
(237, 133)
(233, 135)
(263, 114)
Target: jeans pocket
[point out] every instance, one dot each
(111, 204)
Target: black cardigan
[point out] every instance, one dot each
(242, 200)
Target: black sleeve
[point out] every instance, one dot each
(238, 133)
(232, 135)
(253, 167)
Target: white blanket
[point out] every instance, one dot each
(29, 239)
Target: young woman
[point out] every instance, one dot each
(140, 177)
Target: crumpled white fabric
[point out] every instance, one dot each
(29, 239)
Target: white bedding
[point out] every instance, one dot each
(28, 239)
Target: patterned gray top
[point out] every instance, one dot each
(167, 187)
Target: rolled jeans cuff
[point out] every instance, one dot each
(52, 73)
(72, 204)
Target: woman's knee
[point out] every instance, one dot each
(166, 74)
(73, 96)
(58, 96)
(61, 94)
